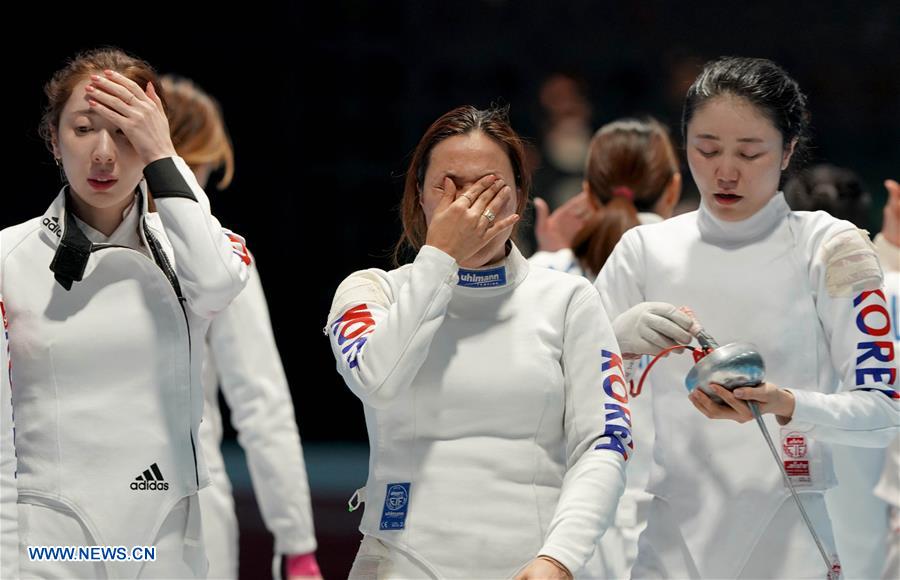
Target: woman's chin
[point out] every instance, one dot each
(484, 258)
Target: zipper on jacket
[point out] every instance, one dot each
(163, 261)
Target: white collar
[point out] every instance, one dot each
(739, 233)
(511, 270)
(126, 234)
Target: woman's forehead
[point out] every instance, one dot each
(469, 157)
(78, 100)
(734, 118)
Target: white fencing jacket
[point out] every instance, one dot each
(631, 514)
(242, 358)
(888, 487)
(859, 514)
(761, 280)
(106, 349)
(9, 518)
(496, 410)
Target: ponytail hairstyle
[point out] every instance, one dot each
(629, 166)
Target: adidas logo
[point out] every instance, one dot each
(52, 224)
(151, 479)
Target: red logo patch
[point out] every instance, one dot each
(797, 468)
(794, 446)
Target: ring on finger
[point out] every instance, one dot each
(490, 215)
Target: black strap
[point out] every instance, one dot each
(72, 254)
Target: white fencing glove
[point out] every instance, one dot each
(650, 327)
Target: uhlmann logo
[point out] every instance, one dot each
(495, 277)
(472, 278)
(151, 479)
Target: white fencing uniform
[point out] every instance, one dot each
(242, 358)
(496, 410)
(764, 280)
(617, 549)
(106, 336)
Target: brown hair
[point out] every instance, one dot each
(494, 123)
(59, 88)
(197, 127)
(629, 165)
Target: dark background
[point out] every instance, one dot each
(324, 104)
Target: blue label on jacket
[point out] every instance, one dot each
(482, 278)
(396, 502)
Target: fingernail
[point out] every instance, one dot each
(89, 89)
(96, 78)
(108, 72)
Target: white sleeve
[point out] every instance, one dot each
(381, 341)
(866, 411)
(9, 519)
(888, 487)
(561, 260)
(212, 263)
(620, 282)
(598, 435)
(254, 385)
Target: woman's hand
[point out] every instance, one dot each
(557, 230)
(770, 399)
(140, 115)
(462, 224)
(544, 567)
(651, 327)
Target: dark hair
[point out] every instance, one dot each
(629, 165)
(764, 84)
(59, 88)
(494, 123)
(836, 190)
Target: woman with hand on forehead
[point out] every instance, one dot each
(494, 401)
(805, 288)
(108, 296)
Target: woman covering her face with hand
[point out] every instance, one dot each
(494, 400)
